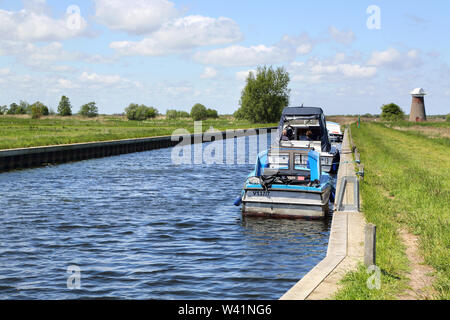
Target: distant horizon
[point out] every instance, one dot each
(349, 58)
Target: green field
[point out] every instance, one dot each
(21, 131)
(406, 186)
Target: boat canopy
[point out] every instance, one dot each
(290, 114)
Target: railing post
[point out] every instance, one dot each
(370, 231)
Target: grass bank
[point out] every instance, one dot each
(406, 185)
(22, 132)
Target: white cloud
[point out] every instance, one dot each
(341, 36)
(66, 84)
(40, 57)
(95, 78)
(301, 44)
(236, 55)
(315, 71)
(243, 56)
(393, 58)
(33, 24)
(182, 34)
(134, 16)
(242, 75)
(175, 90)
(209, 73)
(304, 48)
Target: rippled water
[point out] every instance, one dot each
(139, 227)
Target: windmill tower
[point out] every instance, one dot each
(418, 106)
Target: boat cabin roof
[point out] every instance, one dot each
(302, 111)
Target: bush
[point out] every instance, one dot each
(12, 108)
(183, 114)
(448, 118)
(171, 114)
(175, 114)
(140, 112)
(38, 109)
(265, 95)
(199, 112)
(212, 114)
(36, 112)
(21, 108)
(64, 107)
(392, 112)
(89, 110)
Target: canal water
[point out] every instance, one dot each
(137, 226)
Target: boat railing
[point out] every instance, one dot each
(291, 159)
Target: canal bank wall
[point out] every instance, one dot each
(11, 159)
(347, 237)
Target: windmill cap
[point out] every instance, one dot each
(418, 92)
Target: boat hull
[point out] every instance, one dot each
(282, 203)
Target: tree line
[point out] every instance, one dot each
(38, 109)
(134, 111)
(142, 112)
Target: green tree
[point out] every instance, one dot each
(448, 118)
(13, 107)
(21, 108)
(40, 109)
(199, 112)
(212, 114)
(64, 107)
(140, 112)
(89, 110)
(24, 108)
(183, 114)
(36, 112)
(239, 114)
(3, 109)
(175, 114)
(265, 95)
(171, 114)
(392, 112)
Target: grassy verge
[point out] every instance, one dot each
(22, 132)
(406, 185)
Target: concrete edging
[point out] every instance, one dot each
(11, 159)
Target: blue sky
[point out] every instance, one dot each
(173, 54)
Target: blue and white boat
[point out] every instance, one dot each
(287, 183)
(299, 121)
(291, 179)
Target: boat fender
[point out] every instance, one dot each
(332, 196)
(238, 201)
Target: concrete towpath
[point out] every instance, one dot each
(346, 244)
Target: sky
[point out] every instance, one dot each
(348, 57)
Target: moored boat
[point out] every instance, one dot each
(334, 132)
(287, 183)
(291, 179)
(305, 127)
